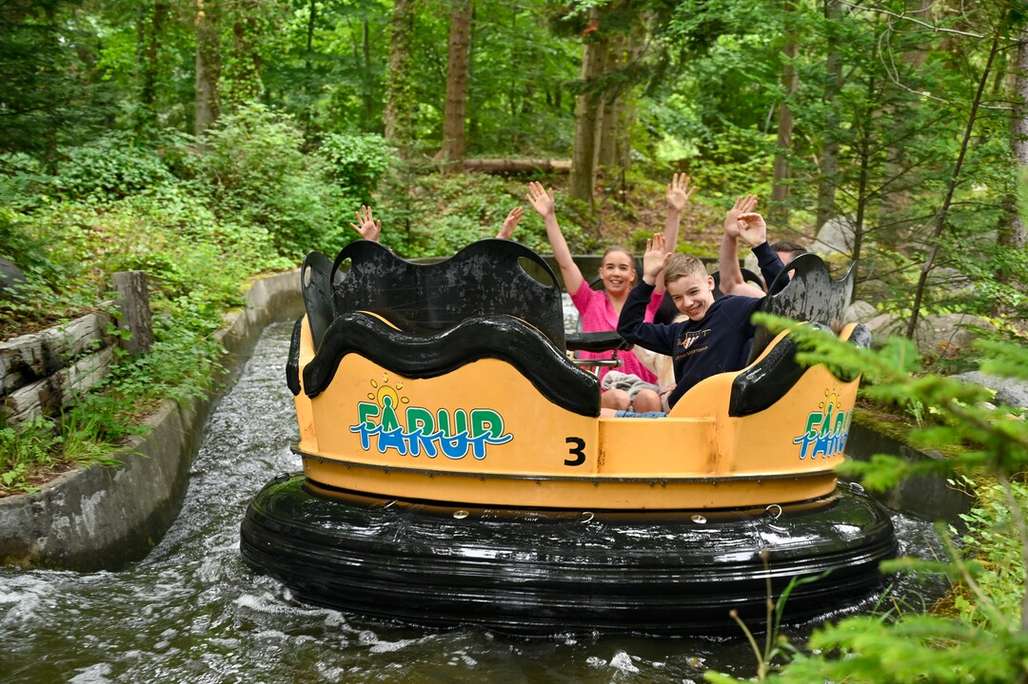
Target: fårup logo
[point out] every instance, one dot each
(420, 432)
(826, 431)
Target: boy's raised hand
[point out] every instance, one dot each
(510, 223)
(541, 200)
(366, 225)
(752, 229)
(679, 192)
(743, 205)
(655, 258)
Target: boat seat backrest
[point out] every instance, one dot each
(812, 296)
(485, 278)
(768, 380)
(317, 294)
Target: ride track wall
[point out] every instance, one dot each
(101, 518)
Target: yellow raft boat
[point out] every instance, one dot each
(438, 402)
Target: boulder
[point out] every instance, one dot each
(835, 237)
(859, 312)
(1009, 391)
(11, 276)
(948, 335)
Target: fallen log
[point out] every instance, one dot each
(501, 165)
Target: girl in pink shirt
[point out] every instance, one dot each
(599, 309)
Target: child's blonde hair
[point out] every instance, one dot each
(681, 266)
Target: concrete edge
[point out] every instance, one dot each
(105, 517)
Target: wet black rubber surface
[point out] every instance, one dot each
(538, 571)
(193, 612)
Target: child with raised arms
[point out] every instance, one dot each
(599, 309)
(714, 338)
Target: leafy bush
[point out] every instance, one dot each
(31, 445)
(109, 168)
(257, 174)
(357, 162)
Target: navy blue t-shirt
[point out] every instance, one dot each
(716, 344)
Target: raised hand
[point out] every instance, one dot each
(752, 229)
(541, 200)
(655, 257)
(678, 192)
(510, 223)
(743, 205)
(366, 225)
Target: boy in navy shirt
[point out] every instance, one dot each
(714, 339)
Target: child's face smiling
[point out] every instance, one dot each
(617, 272)
(693, 295)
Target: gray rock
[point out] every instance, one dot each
(859, 312)
(1009, 391)
(10, 276)
(887, 325)
(835, 237)
(948, 334)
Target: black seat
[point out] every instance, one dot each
(812, 296)
(483, 279)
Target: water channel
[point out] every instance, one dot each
(191, 611)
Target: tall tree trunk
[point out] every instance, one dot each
(151, 65)
(780, 182)
(399, 109)
(456, 81)
(610, 117)
(208, 65)
(587, 106)
(829, 161)
(1014, 233)
(940, 219)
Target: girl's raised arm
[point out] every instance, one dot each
(542, 201)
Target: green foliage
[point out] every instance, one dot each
(357, 162)
(993, 538)
(434, 214)
(23, 449)
(109, 168)
(985, 641)
(257, 174)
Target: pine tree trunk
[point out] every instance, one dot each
(208, 65)
(399, 109)
(456, 81)
(779, 186)
(587, 106)
(829, 162)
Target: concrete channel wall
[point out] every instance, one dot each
(102, 517)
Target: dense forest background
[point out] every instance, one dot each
(905, 120)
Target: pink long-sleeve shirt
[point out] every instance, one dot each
(597, 314)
